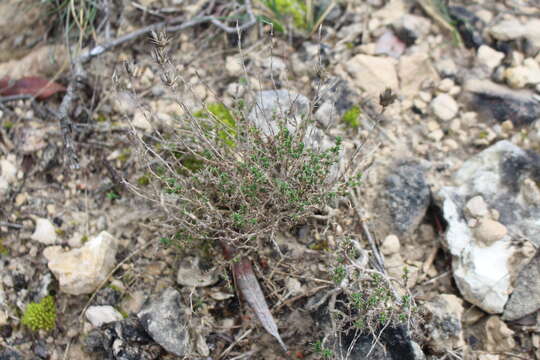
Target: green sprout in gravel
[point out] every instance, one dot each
(40, 316)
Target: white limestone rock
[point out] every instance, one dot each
(483, 261)
(81, 271)
(45, 232)
(488, 57)
(444, 107)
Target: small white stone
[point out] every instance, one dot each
(488, 57)
(8, 171)
(294, 286)
(446, 84)
(477, 207)
(233, 66)
(390, 245)
(425, 96)
(3, 318)
(489, 231)
(140, 121)
(451, 144)
(436, 135)
(44, 232)
(444, 106)
(99, 315)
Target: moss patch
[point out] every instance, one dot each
(352, 116)
(40, 316)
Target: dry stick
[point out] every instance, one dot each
(62, 114)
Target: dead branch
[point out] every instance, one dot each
(79, 75)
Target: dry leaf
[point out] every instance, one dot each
(251, 291)
(37, 86)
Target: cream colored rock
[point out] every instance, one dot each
(8, 171)
(390, 245)
(477, 207)
(414, 71)
(103, 314)
(140, 121)
(44, 232)
(498, 337)
(81, 271)
(444, 107)
(488, 57)
(373, 74)
(233, 66)
(489, 231)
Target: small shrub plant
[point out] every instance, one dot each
(222, 180)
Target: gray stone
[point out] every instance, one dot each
(444, 327)
(164, 318)
(336, 100)
(273, 106)
(407, 195)
(409, 28)
(525, 298)
(190, 274)
(493, 101)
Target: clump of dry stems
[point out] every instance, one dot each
(221, 179)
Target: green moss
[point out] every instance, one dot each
(225, 122)
(8, 125)
(40, 316)
(3, 250)
(296, 9)
(352, 116)
(143, 180)
(124, 156)
(101, 118)
(84, 239)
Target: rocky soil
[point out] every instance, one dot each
(450, 185)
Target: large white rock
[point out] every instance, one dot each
(81, 271)
(372, 73)
(483, 269)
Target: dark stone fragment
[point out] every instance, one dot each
(107, 296)
(526, 296)
(497, 102)
(40, 349)
(407, 195)
(398, 342)
(468, 25)
(122, 340)
(8, 354)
